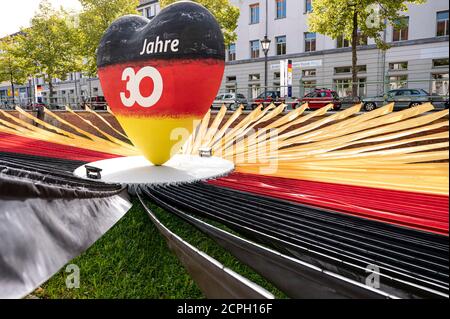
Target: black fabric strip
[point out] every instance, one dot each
(47, 217)
(38, 236)
(213, 279)
(47, 162)
(410, 257)
(23, 176)
(297, 280)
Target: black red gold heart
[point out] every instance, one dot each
(160, 76)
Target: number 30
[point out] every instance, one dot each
(134, 80)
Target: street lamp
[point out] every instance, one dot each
(265, 44)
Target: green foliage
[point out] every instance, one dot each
(95, 18)
(356, 19)
(334, 18)
(50, 46)
(13, 69)
(59, 42)
(226, 14)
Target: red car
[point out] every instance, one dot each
(267, 98)
(320, 98)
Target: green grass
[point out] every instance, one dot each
(132, 260)
(207, 245)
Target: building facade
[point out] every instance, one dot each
(148, 8)
(418, 57)
(74, 90)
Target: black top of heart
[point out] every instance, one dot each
(180, 31)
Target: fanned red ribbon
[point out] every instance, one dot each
(419, 211)
(17, 144)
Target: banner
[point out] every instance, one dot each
(286, 78)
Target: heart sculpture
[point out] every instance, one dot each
(160, 76)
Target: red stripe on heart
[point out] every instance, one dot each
(189, 87)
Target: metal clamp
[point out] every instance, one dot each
(93, 172)
(205, 152)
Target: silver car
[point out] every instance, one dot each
(231, 100)
(401, 97)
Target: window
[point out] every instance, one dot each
(150, 12)
(230, 89)
(281, 9)
(253, 90)
(348, 69)
(362, 68)
(343, 70)
(342, 42)
(276, 86)
(439, 63)
(276, 75)
(281, 45)
(401, 29)
(306, 73)
(416, 92)
(442, 24)
(398, 66)
(231, 78)
(254, 49)
(310, 41)
(344, 87)
(398, 82)
(254, 77)
(311, 94)
(232, 52)
(362, 39)
(309, 85)
(254, 13)
(439, 84)
(308, 6)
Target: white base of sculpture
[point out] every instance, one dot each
(180, 169)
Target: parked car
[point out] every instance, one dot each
(320, 98)
(267, 98)
(231, 100)
(401, 97)
(96, 103)
(34, 106)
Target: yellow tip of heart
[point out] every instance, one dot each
(159, 138)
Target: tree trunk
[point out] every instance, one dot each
(354, 54)
(50, 88)
(12, 88)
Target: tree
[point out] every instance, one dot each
(355, 20)
(96, 17)
(13, 68)
(50, 45)
(226, 14)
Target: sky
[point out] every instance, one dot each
(15, 14)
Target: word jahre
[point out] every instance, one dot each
(160, 46)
